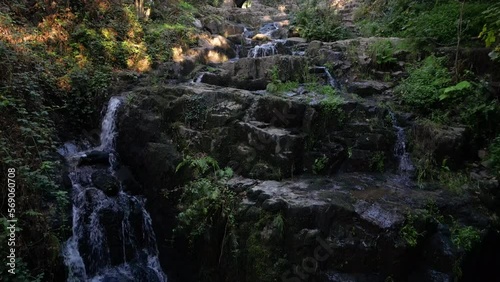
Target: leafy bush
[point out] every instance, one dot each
(491, 30)
(320, 164)
(422, 89)
(315, 23)
(464, 237)
(206, 200)
(382, 52)
(409, 232)
(437, 21)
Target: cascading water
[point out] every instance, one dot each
(113, 238)
(405, 167)
(264, 50)
(199, 77)
(269, 48)
(329, 78)
(269, 28)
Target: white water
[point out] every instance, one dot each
(264, 50)
(329, 78)
(108, 131)
(405, 167)
(269, 28)
(199, 77)
(97, 218)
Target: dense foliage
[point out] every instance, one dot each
(58, 62)
(491, 30)
(432, 92)
(441, 22)
(319, 23)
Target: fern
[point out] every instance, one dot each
(199, 165)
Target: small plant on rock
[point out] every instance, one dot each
(276, 86)
(320, 164)
(382, 52)
(409, 232)
(207, 202)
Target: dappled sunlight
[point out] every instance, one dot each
(198, 54)
(339, 4)
(267, 18)
(215, 57)
(109, 33)
(209, 41)
(218, 41)
(51, 30)
(177, 54)
(211, 49)
(138, 58)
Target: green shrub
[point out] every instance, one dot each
(422, 89)
(206, 200)
(409, 232)
(464, 237)
(440, 23)
(326, 90)
(320, 164)
(382, 52)
(314, 23)
(491, 30)
(433, 20)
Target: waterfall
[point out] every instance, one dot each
(199, 77)
(405, 167)
(264, 50)
(113, 237)
(269, 29)
(108, 131)
(330, 80)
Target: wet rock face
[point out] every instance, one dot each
(254, 73)
(449, 144)
(263, 136)
(348, 227)
(367, 88)
(105, 182)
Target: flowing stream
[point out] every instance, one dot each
(405, 166)
(113, 237)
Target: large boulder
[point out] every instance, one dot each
(255, 73)
(444, 144)
(367, 88)
(94, 157)
(349, 228)
(261, 135)
(105, 182)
